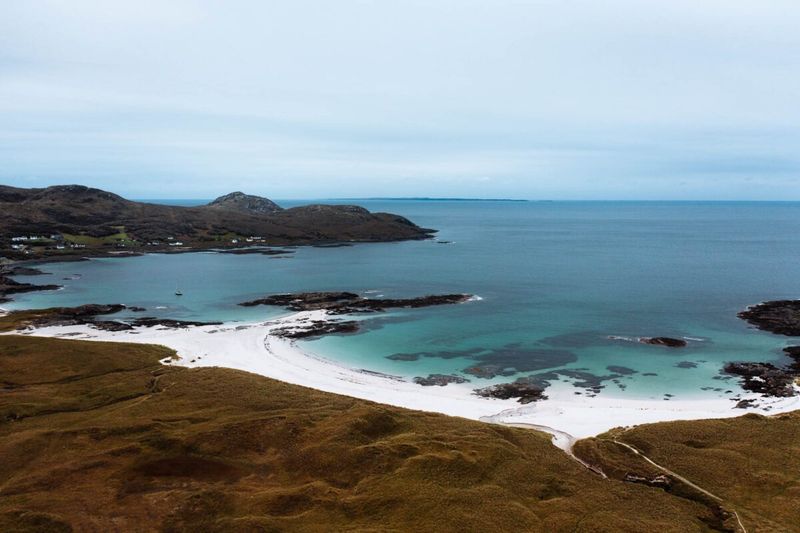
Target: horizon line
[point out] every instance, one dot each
(479, 199)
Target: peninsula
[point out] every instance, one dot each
(73, 220)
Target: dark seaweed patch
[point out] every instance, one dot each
(624, 370)
(513, 358)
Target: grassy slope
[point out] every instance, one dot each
(753, 462)
(100, 437)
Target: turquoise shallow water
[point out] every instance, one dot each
(556, 279)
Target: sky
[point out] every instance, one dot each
(539, 99)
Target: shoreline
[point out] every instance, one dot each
(252, 347)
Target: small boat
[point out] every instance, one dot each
(178, 292)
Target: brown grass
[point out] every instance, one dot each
(752, 461)
(100, 437)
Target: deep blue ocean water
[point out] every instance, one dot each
(556, 278)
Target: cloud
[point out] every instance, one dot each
(560, 99)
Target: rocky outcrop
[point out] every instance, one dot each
(660, 481)
(150, 321)
(316, 328)
(306, 301)
(9, 286)
(350, 302)
(779, 316)
(87, 315)
(669, 342)
(489, 370)
(439, 380)
(521, 389)
(764, 378)
(246, 203)
(793, 352)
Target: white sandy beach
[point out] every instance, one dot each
(252, 347)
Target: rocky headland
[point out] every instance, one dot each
(73, 220)
(781, 317)
(89, 314)
(9, 286)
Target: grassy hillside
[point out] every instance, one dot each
(752, 462)
(101, 437)
(101, 220)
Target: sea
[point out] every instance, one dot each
(563, 289)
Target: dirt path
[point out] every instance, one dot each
(682, 479)
(565, 441)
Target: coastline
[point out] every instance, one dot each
(253, 348)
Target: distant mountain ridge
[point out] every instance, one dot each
(96, 215)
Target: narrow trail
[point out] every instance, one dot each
(682, 479)
(565, 441)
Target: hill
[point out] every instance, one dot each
(101, 437)
(72, 216)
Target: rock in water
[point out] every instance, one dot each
(350, 302)
(764, 378)
(522, 390)
(778, 316)
(439, 380)
(664, 341)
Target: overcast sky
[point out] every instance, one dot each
(561, 99)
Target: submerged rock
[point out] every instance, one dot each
(439, 380)
(404, 357)
(489, 371)
(622, 370)
(512, 358)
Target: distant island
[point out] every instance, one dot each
(68, 220)
(432, 199)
